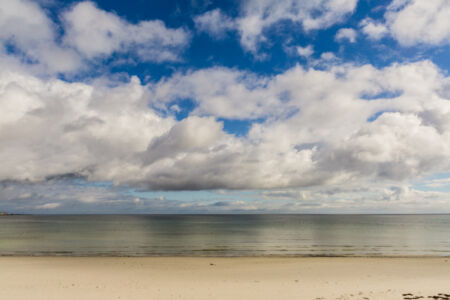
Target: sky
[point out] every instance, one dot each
(202, 106)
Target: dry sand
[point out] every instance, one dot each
(222, 278)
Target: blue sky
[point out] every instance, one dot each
(201, 106)
(205, 51)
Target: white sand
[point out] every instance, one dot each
(221, 278)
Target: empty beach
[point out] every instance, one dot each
(223, 278)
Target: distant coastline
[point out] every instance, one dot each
(4, 213)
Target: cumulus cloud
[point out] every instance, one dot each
(319, 127)
(221, 92)
(305, 51)
(390, 147)
(96, 33)
(328, 56)
(193, 134)
(215, 23)
(413, 22)
(374, 30)
(31, 34)
(255, 16)
(346, 34)
(30, 39)
(51, 127)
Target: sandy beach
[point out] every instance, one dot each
(223, 278)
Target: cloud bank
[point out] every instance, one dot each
(320, 127)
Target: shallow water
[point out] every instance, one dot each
(226, 235)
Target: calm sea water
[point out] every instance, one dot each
(226, 235)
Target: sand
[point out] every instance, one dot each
(222, 278)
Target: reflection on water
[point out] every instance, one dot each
(226, 235)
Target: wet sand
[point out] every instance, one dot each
(223, 278)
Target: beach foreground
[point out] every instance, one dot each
(223, 278)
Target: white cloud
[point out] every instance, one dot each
(193, 134)
(330, 131)
(346, 34)
(25, 22)
(419, 21)
(373, 29)
(258, 15)
(328, 56)
(413, 22)
(89, 33)
(215, 23)
(315, 128)
(53, 127)
(48, 206)
(221, 92)
(255, 16)
(26, 28)
(95, 33)
(305, 51)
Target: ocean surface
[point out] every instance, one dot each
(225, 235)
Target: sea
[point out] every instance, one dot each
(225, 235)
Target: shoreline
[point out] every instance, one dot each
(225, 256)
(63, 277)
